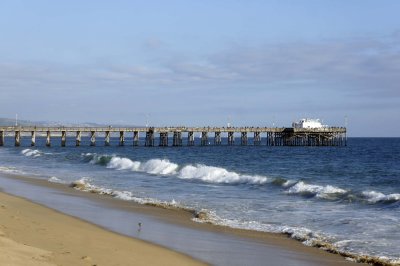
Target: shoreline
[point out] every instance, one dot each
(270, 242)
(31, 234)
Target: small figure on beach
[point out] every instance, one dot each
(140, 226)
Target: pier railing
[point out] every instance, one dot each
(270, 136)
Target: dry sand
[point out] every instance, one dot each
(31, 234)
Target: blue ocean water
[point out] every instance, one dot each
(348, 197)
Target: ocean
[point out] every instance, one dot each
(345, 199)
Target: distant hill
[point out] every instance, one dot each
(11, 122)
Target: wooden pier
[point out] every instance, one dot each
(325, 136)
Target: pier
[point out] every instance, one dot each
(180, 136)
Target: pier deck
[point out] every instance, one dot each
(270, 136)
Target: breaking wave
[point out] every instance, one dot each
(153, 166)
(123, 164)
(31, 153)
(325, 192)
(157, 166)
(329, 192)
(211, 174)
(378, 197)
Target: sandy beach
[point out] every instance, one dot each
(31, 234)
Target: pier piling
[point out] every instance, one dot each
(243, 139)
(177, 139)
(231, 138)
(163, 139)
(17, 138)
(2, 133)
(63, 138)
(78, 138)
(135, 138)
(217, 138)
(257, 138)
(107, 138)
(149, 138)
(33, 138)
(204, 138)
(92, 138)
(121, 138)
(190, 138)
(48, 138)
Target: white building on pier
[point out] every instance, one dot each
(308, 123)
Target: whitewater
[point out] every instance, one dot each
(343, 199)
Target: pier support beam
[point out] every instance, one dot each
(190, 138)
(135, 138)
(257, 138)
(63, 138)
(268, 138)
(204, 138)
(177, 139)
(243, 139)
(231, 138)
(78, 138)
(48, 138)
(17, 138)
(121, 138)
(33, 138)
(217, 138)
(149, 138)
(107, 138)
(163, 139)
(2, 134)
(92, 138)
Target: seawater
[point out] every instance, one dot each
(347, 198)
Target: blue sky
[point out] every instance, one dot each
(259, 63)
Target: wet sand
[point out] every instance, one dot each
(170, 228)
(31, 234)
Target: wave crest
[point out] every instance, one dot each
(157, 166)
(153, 166)
(378, 197)
(213, 174)
(31, 153)
(325, 192)
(123, 164)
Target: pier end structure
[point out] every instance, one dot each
(325, 136)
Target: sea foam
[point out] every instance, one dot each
(213, 174)
(123, 164)
(153, 166)
(31, 153)
(378, 197)
(158, 166)
(55, 179)
(84, 184)
(10, 170)
(315, 190)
